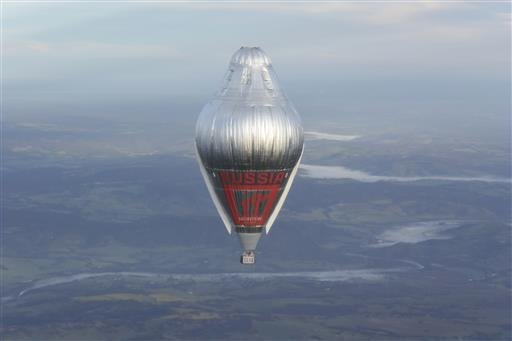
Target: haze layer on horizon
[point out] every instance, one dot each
(419, 64)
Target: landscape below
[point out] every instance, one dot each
(109, 235)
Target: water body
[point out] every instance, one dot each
(354, 275)
(416, 233)
(340, 172)
(314, 135)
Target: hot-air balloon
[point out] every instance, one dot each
(249, 142)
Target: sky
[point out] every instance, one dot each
(417, 59)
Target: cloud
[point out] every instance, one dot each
(87, 49)
(17, 48)
(373, 13)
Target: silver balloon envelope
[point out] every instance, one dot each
(249, 142)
